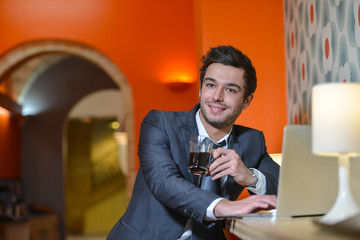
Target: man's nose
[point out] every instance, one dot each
(218, 95)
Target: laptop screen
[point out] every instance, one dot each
(308, 184)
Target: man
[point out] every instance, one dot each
(166, 202)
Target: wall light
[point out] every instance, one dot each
(177, 86)
(114, 125)
(178, 81)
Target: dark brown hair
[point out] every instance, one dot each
(230, 56)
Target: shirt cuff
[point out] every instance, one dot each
(260, 185)
(209, 216)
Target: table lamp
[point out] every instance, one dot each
(335, 120)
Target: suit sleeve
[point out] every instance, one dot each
(269, 168)
(160, 146)
(254, 155)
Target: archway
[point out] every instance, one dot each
(30, 52)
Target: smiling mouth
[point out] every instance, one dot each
(217, 108)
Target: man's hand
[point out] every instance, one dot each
(247, 205)
(228, 162)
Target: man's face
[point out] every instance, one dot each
(222, 95)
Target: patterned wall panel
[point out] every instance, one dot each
(322, 42)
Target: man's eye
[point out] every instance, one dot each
(210, 85)
(231, 90)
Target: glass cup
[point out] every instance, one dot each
(200, 147)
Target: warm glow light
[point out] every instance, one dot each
(4, 112)
(178, 71)
(182, 78)
(179, 78)
(121, 138)
(114, 125)
(179, 81)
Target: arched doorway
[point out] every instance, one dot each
(97, 163)
(43, 165)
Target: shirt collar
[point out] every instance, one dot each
(202, 130)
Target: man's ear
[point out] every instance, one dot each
(248, 101)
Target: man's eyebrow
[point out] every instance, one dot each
(228, 84)
(210, 79)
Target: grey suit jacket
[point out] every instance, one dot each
(165, 193)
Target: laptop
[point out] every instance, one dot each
(308, 184)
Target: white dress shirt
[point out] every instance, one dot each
(209, 216)
(260, 186)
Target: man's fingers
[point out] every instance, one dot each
(264, 201)
(246, 205)
(220, 170)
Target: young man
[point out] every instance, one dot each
(166, 202)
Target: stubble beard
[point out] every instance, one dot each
(220, 123)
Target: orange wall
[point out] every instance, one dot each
(257, 29)
(150, 41)
(9, 138)
(155, 41)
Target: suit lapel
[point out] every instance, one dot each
(190, 130)
(235, 144)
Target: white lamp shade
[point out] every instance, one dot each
(335, 118)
